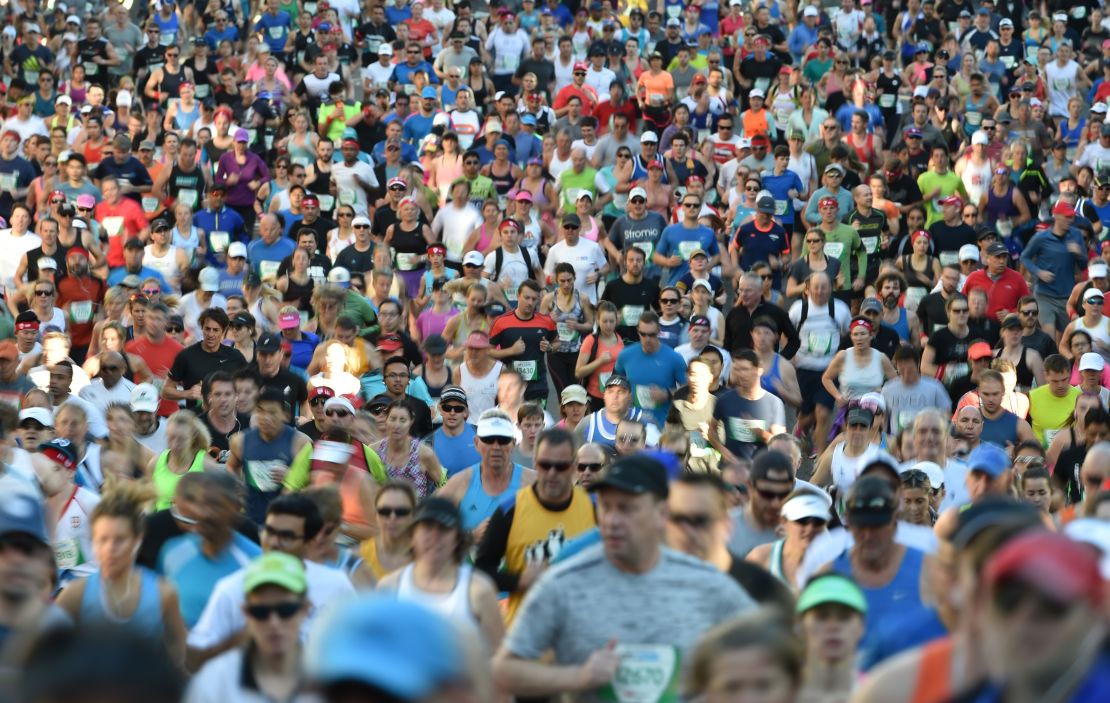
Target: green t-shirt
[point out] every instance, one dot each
(816, 68)
(948, 183)
(335, 130)
(571, 184)
(842, 244)
(1048, 413)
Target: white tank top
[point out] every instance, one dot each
(845, 469)
(976, 180)
(1100, 332)
(73, 536)
(165, 265)
(455, 604)
(481, 393)
(858, 380)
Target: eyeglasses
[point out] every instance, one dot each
(394, 512)
(647, 335)
(499, 441)
(959, 311)
(751, 189)
(1029, 313)
(470, 162)
(698, 522)
(378, 409)
(579, 73)
(629, 438)
(337, 413)
(174, 329)
(691, 205)
(152, 291)
(669, 301)
(570, 227)
(592, 467)
(284, 611)
(453, 408)
(283, 535)
(556, 466)
(44, 293)
(724, 126)
(815, 241)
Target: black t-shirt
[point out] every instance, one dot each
(221, 441)
(1040, 342)
(931, 313)
(950, 355)
(631, 300)
(743, 419)
(290, 384)
(949, 238)
(356, 261)
(192, 365)
(310, 430)
(544, 70)
(161, 527)
(762, 73)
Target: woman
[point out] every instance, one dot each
(182, 112)
(121, 455)
(77, 86)
(831, 611)
(573, 316)
(446, 167)
(961, 82)
(1068, 449)
(921, 268)
(343, 234)
(537, 182)
(1070, 129)
(242, 332)
(1027, 362)
(409, 240)
(945, 354)
(782, 100)
(327, 304)
(592, 227)
(391, 548)
(814, 260)
(43, 297)
(112, 337)
(858, 370)
(482, 238)
(187, 442)
(335, 374)
(296, 285)
(597, 354)
(161, 256)
(742, 208)
(660, 196)
(808, 117)
(301, 344)
(406, 457)
(502, 172)
(301, 142)
(115, 304)
(40, 187)
(439, 576)
(273, 82)
(433, 320)
(185, 235)
(779, 376)
(701, 303)
(805, 514)
(556, 152)
(434, 371)
(1077, 346)
(1003, 204)
(242, 172)
(121, 593)
(754, 653)
(841, 462)
(473, 318)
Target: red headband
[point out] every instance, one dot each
(866, 324)
(28, 325)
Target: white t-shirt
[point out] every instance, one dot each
(455, 225)
(819, 334)
(513, 271)
(223, 615)
(190, 310)
(14, 247)
(348, 190)
(586, 257)
(600, 80)
(377, 74)
(156, 440)
(100, 397)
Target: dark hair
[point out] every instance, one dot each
(747, 355)
(564, 267)
(1056, 363)
(216, 315)
(395, 360)
(557, 436)
(1035, 472)
(298, 506)
(712, 481)
(904, 352)
(213, 378)
(1097, 416)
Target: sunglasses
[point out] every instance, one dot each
(263, 613)
(592, 467)
(691, 205)
(44, 293)
(378, 409)
(337, 413)
(669, 301)
(319, 400)
(499, 441)
(814, 241)
(453, 408)
(557, 466)
(772, 495)
(959, 311)
(1029, 313)
(394, 512)
(810, 521)
(152, 291)
(647, 335)
(696, 521)
(174, 329)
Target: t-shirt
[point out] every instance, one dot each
(159, 359)
(631, 299)
(586, 257)
(679, 240)
(578, 606)
(904, 402)
(950, 356)
(642, 234)
(530, 364)
(743, 418)
(819, 333)
(948, 183)
(1048, 413)
(664, 368)
(194, 575)
(194, 364)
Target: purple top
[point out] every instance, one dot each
(239, 195)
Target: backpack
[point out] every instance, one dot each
(499, 259)
(805, 311)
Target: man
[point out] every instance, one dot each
(80, 296)
(13, 385)
(396, 374)
(762, 239)
(529, 530)
(587, 258)
(1004, 286)
(770, 481)
(219, 416)
(221, 224)
(950, 234)
(821, 321)
(359, 255)
(292, 522)
(109, 387)
(274, 375)
(697, 332)
(157, 349)
(910, 393)
(60, 382)
(1000, 426)
(1032, 336)
(193, 364)
(454, 441)
(653, 369)
(931, 311)
(939, 183)
(746, 416)
(751, 305)
(510, 265)
(618, 573)
(679, 241)
(268, 251)
(601, 426)
(1052, 405)
(1051, 257)
(989, 476)
(843, 243)
(524, 336)
(632, 293)
(497, 477)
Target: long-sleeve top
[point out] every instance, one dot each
(239, 195)
(1048, 251)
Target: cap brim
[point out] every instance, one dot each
(616, 482)
(870, 518)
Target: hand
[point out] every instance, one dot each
(1001, 314)
(1075, 248)
(857, 284)
(659, 395)
(1046, 276)
(193, 393)
(592, 277)
(254, 185)
(605, 358)
(674, 260)
(232, 179)
(531, 572)
(600, 668)
(480, 530)
(518, 347)
(545, 345)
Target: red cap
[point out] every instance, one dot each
(77, 250)
(699, 79)
(389, 343)
(13, 134)
(760, 139)
(321, 391)
(760, 39)
(436, 246)
(56, 194)
(59, 457)
(952, 200)
(654, 164)
(695, 178)
(979, 350)
(1063, 208)
(581, 66)
(1058, 567)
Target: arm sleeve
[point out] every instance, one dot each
(491, 551)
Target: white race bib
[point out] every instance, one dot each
(819, 343)
(870, 244)
(685, 249)
(277, 32)
(644, 398)
(8, 181)
(780, 207)
(949, 258)
(112, 224)
(187, 196)
(566, 332)
(887, 100)
(150, 203)
(834, 249)
(630, 315)
(67, 553)
(268, 269)
(346, 197)
(266, 475)
(526, 369)
(219, 241)
(647, 248)
(81, 311)
(647, 674)
(91, 68)
(327, 202)
(407, 262)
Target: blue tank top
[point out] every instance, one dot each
(1000, 430)
(146, 621)
(773, 374)
(1000, 207)
(259, 459)
(455, 453)
(600, 431)
(1071, 136)
(477, 505)
(894, 600)
(902, 327)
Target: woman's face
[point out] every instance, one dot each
(398, 423)
(337, 358)
(178, 437)
(915, 219)
(749, 675)
(394, 512)
(834, 630)
(607, 321)
(433, 541)
(114, 544)
(120, 423)
(300, 260)
(1080, 345)
(110, 338)
(861, 338)
(566, 282)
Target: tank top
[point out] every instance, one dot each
(350, 494)
(502, 183)
(184, 119)
(407, 246)
(771, 375)
(410, 471)
(477, 505)
(774, 562)
(934, 673)
(454, 605)
(897, 598)
(464, 329)
(186, 186)
(1001, 209)
(591, 233)
(94, 154)
(1000, 430)
(857, 380)
(1100, 331)
(570, 339)
(165, 480)
(301, 152)
(976, 179)
(171, 82)
(902, 327)
(539, 197)
(915, 278)
(1071, 136)
(165, 265)
(845, 469)
(261, 459)
(973, 113)
(434, 390)
(481, 392)
(146, 621)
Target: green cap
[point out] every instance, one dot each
(832, 588)
(278, 569)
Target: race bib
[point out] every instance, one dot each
(685, 249)
(112, 225)
(150, 203)
(974, 118)
(819, 343)
(905, 419)
(202, 90)
(8, 181)
(301, 161)
(67, 553)
(870, 244)
(507, 63)
(277, 32)
(630, 315)
(647, 248)
(647, 674)
(603, 378)
(346, 196)
(81, 311)
(165, 38)
(1005, 227)
(643, 397)
(188, 196)
(219, 241)
(266, 474)
(268, 269)
(914, 297)
(31, 76)
(834, 249)
(310, 8)
(1008, 61)
(91, 68)
(954, 371)
(528, 370)
(327, 202)
(1049, 435)
(567, 333)
(949, 258)
(407, 262)
(887, 100)
(744, 430)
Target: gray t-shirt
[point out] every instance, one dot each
(905, 402)
(577, 607)
(746, 536)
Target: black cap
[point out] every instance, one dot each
(452, 393)
(435, 344)
(381, 400)
(273, 394)
(253, 280)
(870, 502)
(571, 220)
(618, 381)
(134, 243)
(159, 225)
(990, 512)
(634, 474)
(862, 416)
(1011, 321)
(985, 233)
(770, 462)
(438, 510)
(243, 319)
(268, 343)
(767, 322)
(998, 249)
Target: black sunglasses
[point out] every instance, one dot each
(499, 441)
(337, 413)
(394, 512)
(557, 466)
(592, 467)
(695, 521)
(283, 611)
(453, 408)
(174, 329)
(772, 495)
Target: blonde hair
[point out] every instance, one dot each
(201, 439)
(766, 628)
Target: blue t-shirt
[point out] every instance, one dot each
(274, 29)
(194, 575)
(779, 187)
(226, 221)
(665, 368)
(131, 172)
(417, 126)
(678, 240)
(116, 275)
(456, 453)
(265, 258)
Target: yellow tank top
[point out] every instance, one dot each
(539, 534)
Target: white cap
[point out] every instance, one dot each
(921, 91)
(123, 98)
(40, 415)
(980, 137)
(495, 427)
(474, 258)
(385, 49)
(209, 279)
(74, 19)
(144, 398)
(236, 250)
(1092, 293)
(1060, 17)
(1093, 271)
(573, 393)
(1035, 102)
(969, 252)
(63, 99)
(584, 193)
(649, 137)
(32, 27)
(932, 470)
(441, 118)
(339, 275)
(1096, 533)
(744, 143)
(69, 36)
(47, 263)
(332, 452)
(810, 11)
(9, 32)
(702, 283)
(807, 504)
(877, 400)
(1098, 107)
(756, 93)
(637, 192)
(360, 220)
(339, 402)
(1091, 361)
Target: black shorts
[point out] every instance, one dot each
(813, 391)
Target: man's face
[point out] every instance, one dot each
(617, 399)
(274, 636)
(453, 412)
(284, 533)
(61, 378)
(221, 399)
(873, 543)
(526, 301)
(495, 451)
(556, 469)
(649, 337)
(767, 496)
(25, 565)
(213, 334)
(630, 525)
(744, 374)
(1058, 383)
(695, 523)
(387, 314)
(750, 293)
(396, 378)
(969, 424)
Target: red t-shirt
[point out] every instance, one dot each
(159, 357)
(132, 220)
(80, 298)
(1002, 294)
(585, 93)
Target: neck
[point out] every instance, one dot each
(829, 676)
(211, 546)
(279, 663)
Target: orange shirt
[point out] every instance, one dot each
(655, 90)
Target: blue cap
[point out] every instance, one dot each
(429, 92)
(324, 27)
(528, 118)
(924, 46)
(989, 458)
(402, 648)
(21, 510)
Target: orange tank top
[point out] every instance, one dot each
(755, 123)
(934, 673)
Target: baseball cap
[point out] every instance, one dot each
(765, 203)
(495, 426)
(979, 350)
(61, 451)
(810, 11)
(756, 93)
(236, 250)
(339, 402)
(1064, 208)
(969, 252)
(40, 415)
(209, 279)
(637, 192)
(571, 220)
(438, 510)
(144, 398)
(835, 167)
(989, 458)
(649, 137)
(952, 200)
(618, 381)
(980, 137)
(339, 275)
(806, 503)
(21, 511)
(860, 416)
(268, 344)
(674, 22)
(831, 588)
(385, 49)
(435, 344)
(870, 502)
(998, 249)
(321, 392)
(990, 512)
(473, 258)
(930, 469)
(573, 393)
(452, 393)
(275, 569)
(1092, 294)
(429, 93)
(871, 305)
(1091, 361)
(634, 474)
(768, 462)
(1053, 564)
(1094, 270)
(289, 321)
(389, 343)
(1011, 321)
(242, 135)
